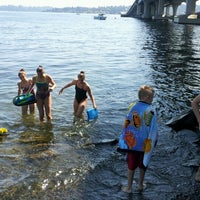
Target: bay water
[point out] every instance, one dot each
(63, 160)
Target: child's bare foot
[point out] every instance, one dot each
(126, 189)
(142, 187)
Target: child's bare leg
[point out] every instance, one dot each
(141, 179)
(128, 188)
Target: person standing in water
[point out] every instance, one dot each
(45, 85)
(23, 88)
(81, 90)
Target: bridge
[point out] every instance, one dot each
(160, 9)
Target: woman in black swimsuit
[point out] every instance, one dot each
(81, 90)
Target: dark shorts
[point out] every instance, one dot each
(135, 159)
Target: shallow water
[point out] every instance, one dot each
(59, 160)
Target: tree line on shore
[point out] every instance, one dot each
(106, 10)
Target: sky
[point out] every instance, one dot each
(67, 3)
(70, 3)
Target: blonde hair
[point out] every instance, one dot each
(145, 91)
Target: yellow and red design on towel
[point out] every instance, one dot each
(147, 145)
(136, 120)
(129, 138)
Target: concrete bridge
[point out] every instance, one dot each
(159, 9)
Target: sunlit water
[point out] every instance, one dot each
(63, 160)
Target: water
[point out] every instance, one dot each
(59, 160)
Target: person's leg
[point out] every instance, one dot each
(81, 108)
(142, 171)
(197, 177)
(24, 110)
(141, 179)
(40, 109)
(128, 188)
(32, 108)
(75, 106)
(132, 165)
(130, 179)
(47, 104)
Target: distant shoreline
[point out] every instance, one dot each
(106, 10)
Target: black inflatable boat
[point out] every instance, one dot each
(186, 120)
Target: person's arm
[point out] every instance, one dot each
(195, 107)
(19, 88)
(32, 85)
(91, 97)
(52, 83)
(67, 85)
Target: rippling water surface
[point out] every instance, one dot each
(66, 161)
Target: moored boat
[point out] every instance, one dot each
(100, 16)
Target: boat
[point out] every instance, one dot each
(100, 16)
(123, 14)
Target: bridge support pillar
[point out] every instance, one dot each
(147, 8)
(190, 6)
(167, 11)
(175, 7)
(138, 12)
(161, 8)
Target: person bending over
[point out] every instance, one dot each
(82, 88)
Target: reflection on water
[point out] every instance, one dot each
(175, 65)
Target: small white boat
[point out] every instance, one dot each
(100, 16)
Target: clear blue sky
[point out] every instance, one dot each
(67, 3)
